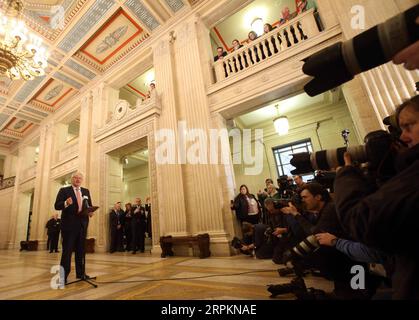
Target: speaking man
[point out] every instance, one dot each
(73, 201)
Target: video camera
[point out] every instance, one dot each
(379, 153)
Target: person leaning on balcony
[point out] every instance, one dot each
(252, 36)
(287, 15)
(236, 46)
(266, 29)
(220, 54)
(304, 5)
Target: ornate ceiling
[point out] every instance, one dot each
(85, 39)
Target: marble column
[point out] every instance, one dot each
(13, 243)
(42, 208)
(170, 179)
(203, 190)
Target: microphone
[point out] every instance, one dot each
(86, 202)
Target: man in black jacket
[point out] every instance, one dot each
(321, 216)
(53, 231)
(138, 226)
(388, 219)
(73, 201)
(116, 224)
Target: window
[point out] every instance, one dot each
(283, 156)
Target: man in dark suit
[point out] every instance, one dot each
(53, 231)
(73, 201)
(148, 214)
(116, 224)
(220, 54)
(138, 226)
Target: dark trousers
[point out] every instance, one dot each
(48, 242)
(53, 241)
(117, 240)
(138, 237)
(128, 237)
(73, 240)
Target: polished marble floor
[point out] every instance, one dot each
(27, 275)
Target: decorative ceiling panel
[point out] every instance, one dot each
(25, 117)
(37, 112)
(17, 127)
(28, 88)
(175, 5)
(52, 95)
(114, 35)
(71, 82)
(142, 13)
(80, 69)
(3, 118)
(85, 24)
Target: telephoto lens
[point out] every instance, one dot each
(305, 247)
(367, 50)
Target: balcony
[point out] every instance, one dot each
(268, 63)
(7, 183)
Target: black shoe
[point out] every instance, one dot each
(283, 272)
(57, 251)
(142, 251)
(134, 252)
(50, 252)
(83, 277)
(296, 286)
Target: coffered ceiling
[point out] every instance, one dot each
(85, 39)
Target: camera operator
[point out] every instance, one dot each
(321, 216)
(388, 218)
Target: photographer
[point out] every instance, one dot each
(321, 216)
(388, 218)
(256, 239)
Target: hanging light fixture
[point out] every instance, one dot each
(281, 123)
(22, 55)
(257, 26)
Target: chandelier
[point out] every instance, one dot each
(22, 55)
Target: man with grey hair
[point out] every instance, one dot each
(73, 202)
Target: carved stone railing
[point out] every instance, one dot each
(68, 151)
(125, 115)
(7, 183)
(284, 37)
(28, 174)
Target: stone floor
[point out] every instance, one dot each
(27, 275)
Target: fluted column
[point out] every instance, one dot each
(14, 211)
(42, 208)
(204, 203)
(85, 135)
(171, 202)
(385, 87)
